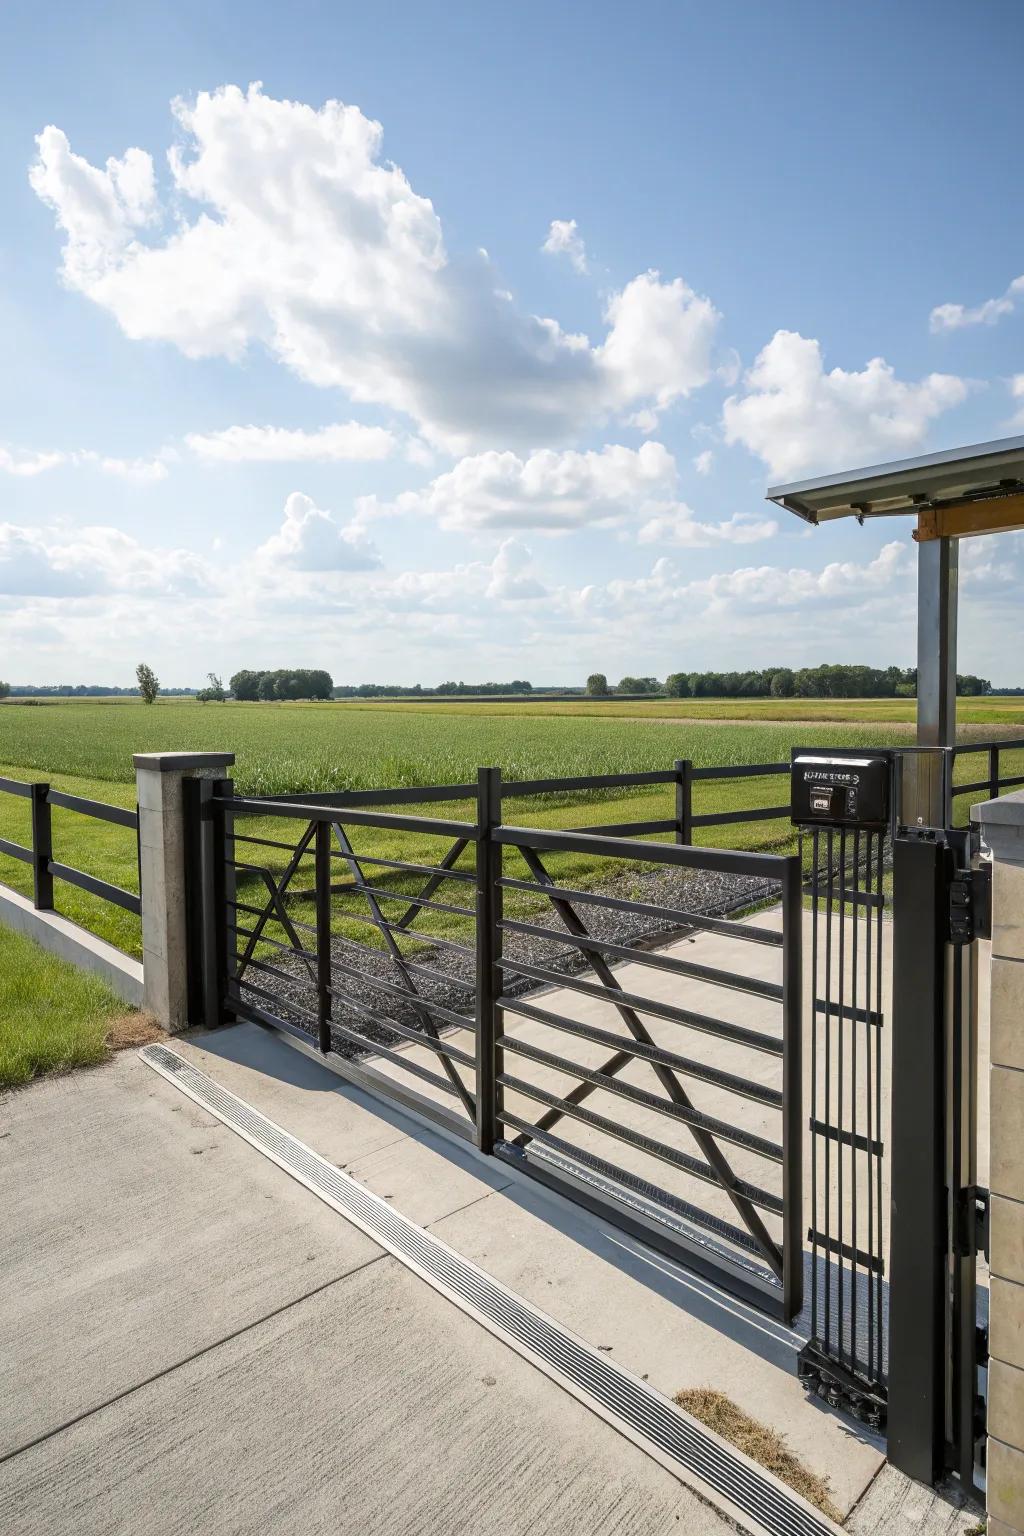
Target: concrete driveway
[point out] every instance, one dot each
(190, 1341)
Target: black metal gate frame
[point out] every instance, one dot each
(766, 1271)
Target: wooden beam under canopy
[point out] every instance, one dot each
(961, 520)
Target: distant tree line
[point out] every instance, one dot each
(85, 691)
(286, 683)
(825, 682)
(398, 691)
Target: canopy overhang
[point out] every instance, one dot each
(953, 495)
(963, 491)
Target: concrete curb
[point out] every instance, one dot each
(60, 936)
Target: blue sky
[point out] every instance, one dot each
(495, 391)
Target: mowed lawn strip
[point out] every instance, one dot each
(54, 1017)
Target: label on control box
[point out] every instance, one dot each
(840, 791)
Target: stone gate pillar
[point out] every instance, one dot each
(159, 778)
(1002, 826)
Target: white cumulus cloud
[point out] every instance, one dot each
(350, 440)
(546, 490)
(679, 525)
(955, 317)
(84, 562)
(564, 239)
(309, 539)
(26, 464)
(284, 227)
(798, 418)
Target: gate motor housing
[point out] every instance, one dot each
(840, 791)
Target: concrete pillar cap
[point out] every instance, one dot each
(181, 762)
(1002, 826)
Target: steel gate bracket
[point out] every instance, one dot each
(841, 1388)
(972, 1222)
(970, 905)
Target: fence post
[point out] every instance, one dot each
(42, 849)
(488, 955)
(167, 852)
(684, 800)
(322, 868)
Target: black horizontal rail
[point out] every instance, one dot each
(436, 1010)
(650, 957)
(15, 787)
(702, 1022)
(629, 1181)
(98, 809)
(729, 818)
(740, 771)
(769, 866)
(405, 1063)
(1005, 744)
(422, 794)
(674, 915)
(687, 1115)
(16, 851)
(743, 1087)
(406, 898)
(764, 1199)
(510, 789)
(96, 887)
(404, 1032)
(1001, 781)
(629, 828)
(239, 805)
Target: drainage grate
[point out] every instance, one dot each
(630, 1405)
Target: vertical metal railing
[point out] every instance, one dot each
(846, 1357)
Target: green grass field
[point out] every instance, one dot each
(85, 747)
(53, 1016)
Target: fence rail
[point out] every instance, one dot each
(682, 776)
(40, 852)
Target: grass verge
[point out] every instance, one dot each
(54, 1017)
(761, 1443)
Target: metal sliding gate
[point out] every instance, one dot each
(548, 995)
(780, 1116)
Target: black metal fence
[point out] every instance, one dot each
(39, 854)
(677, 1116)
(997, 777)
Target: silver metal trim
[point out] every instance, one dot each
(677, 1441)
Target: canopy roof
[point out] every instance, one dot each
(979, 472)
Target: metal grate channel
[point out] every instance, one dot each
(630, 1405)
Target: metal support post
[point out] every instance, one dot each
(322, 868)
(917, 1270)
(924, 798)
(793, 1107)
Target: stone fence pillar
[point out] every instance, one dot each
(1002, 826)
(159, 777)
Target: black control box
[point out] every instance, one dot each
(840, 791)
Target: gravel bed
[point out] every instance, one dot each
(451, 986)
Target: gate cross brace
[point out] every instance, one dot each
(420, 1006)
(707, 1144)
